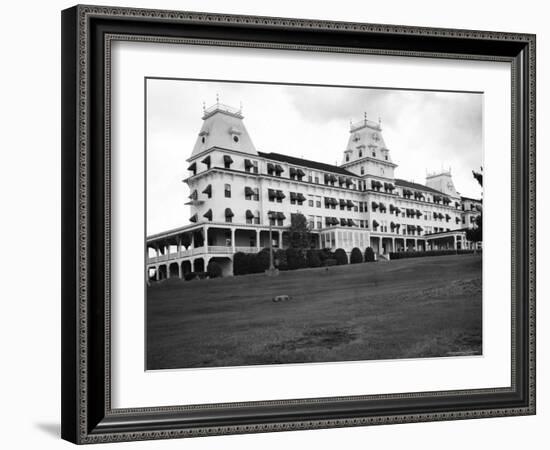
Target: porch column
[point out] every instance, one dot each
(257, 241)
(454, 242)
(178, 243)
(180, 271)
(233, 240)
(205, 232)
(157, 273)
(280, 239)
(415, 244)
(192, 241)
(320, 244)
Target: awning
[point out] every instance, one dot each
(194, 195)
(418, 213)
(391, 187)
(300, 197)
(382, 206)
(279, 168)
(248, 191)
(351, 223)
(327, 201)
(292, 171)
(343, 222)
(327, 177)
(193, 167)
(479, 208)
(208, 190)
(374, 205)
(300, 173)
(342, 202)
(349, 181)
(397, 210)
(335, 221)
(418, 228)
(392, 225)
(206, 160)
(328, 220)
(228, 212)
(227, 160)
(208, 214)
(392, 208)
(293, 195)
(437, 198)
(350, 204)
(247, 164)
(447, 217)
(270, 167)
(280, 194)
(280, 216)
(193, 218)
(375, 223)
(249, 214)
(271, 193)
(457, 220)
(341, 179)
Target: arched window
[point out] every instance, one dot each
(362, 170)
(227, 190)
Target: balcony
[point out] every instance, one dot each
(211, 249)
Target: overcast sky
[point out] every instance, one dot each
(423, 130)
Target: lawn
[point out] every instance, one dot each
(410, 308)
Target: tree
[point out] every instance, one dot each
(475, 234)
(369, 254)
(356, 256)
(214, 269)
(341, 256)
(299, 232)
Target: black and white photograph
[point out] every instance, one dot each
(294, 223)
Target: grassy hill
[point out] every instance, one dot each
(422, 307)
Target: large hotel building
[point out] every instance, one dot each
(237, 190)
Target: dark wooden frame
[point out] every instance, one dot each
(87, 31)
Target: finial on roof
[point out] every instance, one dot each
(217, 98)
(365, 116)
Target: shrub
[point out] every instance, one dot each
(369, 254)
(280, 259)
(325, 253)
(329, 262)
(214, 269)
(260, 261)
(295, 258)
(341, 256)
(356, 256)
(190, 276)
(313, 258)
(240, 264)
(412, 254)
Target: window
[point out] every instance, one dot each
(236, 138)
(374, 154)
(362, 170)
(311, 221)
(317, 202)
(347, 157)
(310, 202)
(227, 190)
(251, 193)
(309, 178)
(360, 153)
(317, 180)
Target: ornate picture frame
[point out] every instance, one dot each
(88, 33)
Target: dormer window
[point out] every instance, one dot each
(362, 170)
(360, 153)
(347, 157)
(236, 138)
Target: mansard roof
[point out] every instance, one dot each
(418, 187)
(307, 163)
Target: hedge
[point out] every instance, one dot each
(295, 258)
(192, 275)
(280, 259)
(403, 255)
(356, 256)
(240, 264)
(313, 258)
(369, 254)
(341, 256)
(329, 262)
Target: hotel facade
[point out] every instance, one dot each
(237, 190)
